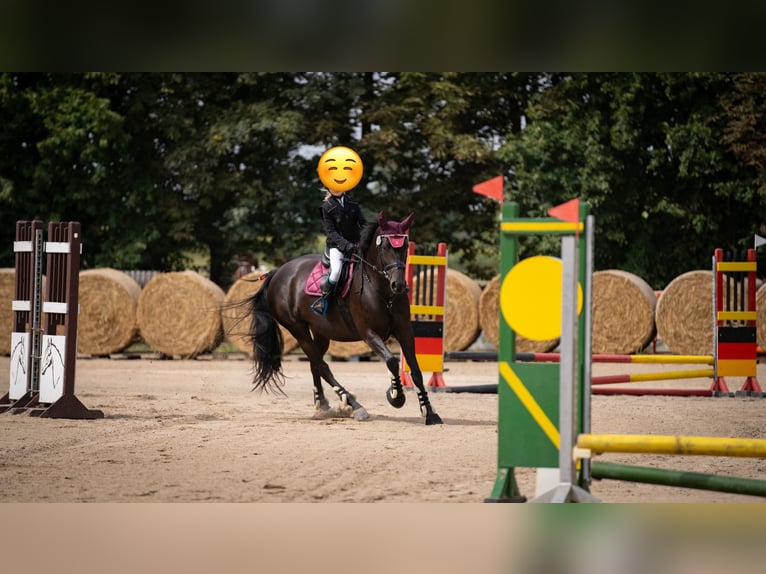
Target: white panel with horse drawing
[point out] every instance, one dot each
(19, 365)
(52, 368)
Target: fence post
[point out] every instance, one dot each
(427, 308)
(49, 352)
(734, 334)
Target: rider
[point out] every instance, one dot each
(340, 169)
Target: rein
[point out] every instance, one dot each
(383, 270)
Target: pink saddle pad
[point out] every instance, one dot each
(315, 278)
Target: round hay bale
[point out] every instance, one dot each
(461, 315)
(236, 318)
(489, 311)
(760, 305)
(7, 295)
(684, 314)
(489, 319)
(524, 345)
(623, 312)
(179, 313)
(7, 286)
(107, 320)
(345, 350)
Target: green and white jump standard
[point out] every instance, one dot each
(542, 405)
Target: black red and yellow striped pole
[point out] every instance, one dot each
(736, 349)
(427, 308)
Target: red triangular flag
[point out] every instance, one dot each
(569, 211)
(491, 188)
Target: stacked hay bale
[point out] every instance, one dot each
(346, 350)
(179, 313)
(108, 303)
(461, 313)
(236, 318)
(489, 317)
(489, 311)
(623, 312)
(684, 314)
(7, 286)
(7, 295)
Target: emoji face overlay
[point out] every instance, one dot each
(340, 169)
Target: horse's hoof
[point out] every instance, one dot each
(433, 419)
(322, 406)
(360, 414)
(346, 399)
(396, 399)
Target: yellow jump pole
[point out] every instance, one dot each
(673, 359)
(683, 445)
(654, 376)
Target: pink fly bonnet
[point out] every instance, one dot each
(395, 232)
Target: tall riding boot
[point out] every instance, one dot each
(326, 286)
(320, 305)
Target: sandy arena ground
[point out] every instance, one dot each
(191, 431)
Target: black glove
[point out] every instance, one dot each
(350, 248)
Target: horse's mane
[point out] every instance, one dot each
(366, 235)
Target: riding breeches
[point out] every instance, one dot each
(336, 263)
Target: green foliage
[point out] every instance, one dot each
(159, 167)
(431, 138)
(646, 151)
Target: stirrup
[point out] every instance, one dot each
(320, 306)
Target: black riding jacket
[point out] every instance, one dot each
(342, 223)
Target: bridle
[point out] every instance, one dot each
(396, 240)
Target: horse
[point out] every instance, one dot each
(375, 308)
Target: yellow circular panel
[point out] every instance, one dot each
(530, 298)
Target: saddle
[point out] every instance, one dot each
(321, 269)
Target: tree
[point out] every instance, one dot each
(234, 178)
(159, 167)
(646, 152)
(430, 138)
(743, 114)
(62, 151)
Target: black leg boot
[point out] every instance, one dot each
(326, 287)
(320, 305)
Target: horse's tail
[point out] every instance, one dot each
(267, 343)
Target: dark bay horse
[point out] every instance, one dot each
(376, 308)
